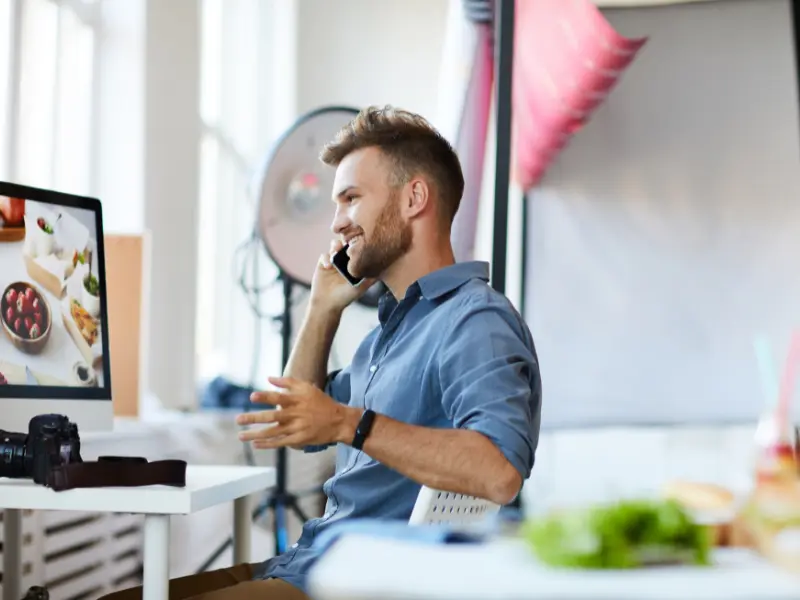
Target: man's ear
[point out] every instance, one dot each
(417, 198)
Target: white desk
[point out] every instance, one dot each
(206, 486)
(359, 567)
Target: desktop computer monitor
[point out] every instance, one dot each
(53, 328)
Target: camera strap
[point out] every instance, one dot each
(117, 471)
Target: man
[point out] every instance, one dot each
(444, 392)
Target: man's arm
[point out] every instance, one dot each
(308, 361)
(491, 390)
(309, 357)
(457, 460)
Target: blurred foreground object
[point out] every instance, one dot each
(772, 518)
(713, 506)
(626, 534)
(772, 513)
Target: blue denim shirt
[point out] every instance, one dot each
(453, 353)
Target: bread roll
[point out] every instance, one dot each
(697, 496)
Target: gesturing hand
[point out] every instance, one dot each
(308, 416)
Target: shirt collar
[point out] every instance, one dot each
(447, 279)
(435, 284)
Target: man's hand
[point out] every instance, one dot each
(307, 417)
(329, 290)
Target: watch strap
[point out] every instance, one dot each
(363, 429)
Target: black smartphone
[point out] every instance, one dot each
(340, 260)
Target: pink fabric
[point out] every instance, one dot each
(567, 57)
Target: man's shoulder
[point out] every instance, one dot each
(477, 296)
(477, 309)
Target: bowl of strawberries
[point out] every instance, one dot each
(26, 317)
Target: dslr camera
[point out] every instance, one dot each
(51, 441)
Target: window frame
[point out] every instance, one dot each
(88, 13)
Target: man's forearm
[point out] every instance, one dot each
(456, 460)
(309, 358)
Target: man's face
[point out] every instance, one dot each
(368, 214)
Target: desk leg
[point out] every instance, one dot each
(156, 557)
(241, 530)
(12, 553)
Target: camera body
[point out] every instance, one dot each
(51, 441)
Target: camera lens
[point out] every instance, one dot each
(12, 454)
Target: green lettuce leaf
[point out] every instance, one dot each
(627, 534)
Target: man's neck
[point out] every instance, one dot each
(416, 263)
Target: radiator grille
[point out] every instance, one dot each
(79, 555)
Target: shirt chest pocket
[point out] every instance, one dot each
(401, 393)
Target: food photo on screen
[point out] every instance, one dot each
(50, 308)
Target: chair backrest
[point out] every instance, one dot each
(434, 507)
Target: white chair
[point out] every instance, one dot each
(435, 507)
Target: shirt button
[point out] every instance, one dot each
(373, 368)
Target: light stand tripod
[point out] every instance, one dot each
(279, 499)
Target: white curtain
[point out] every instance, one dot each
(465, 98)
(238, 96)
(47, 73)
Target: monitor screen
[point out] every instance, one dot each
(53, 317)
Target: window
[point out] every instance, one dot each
(6, 20)
(239, 126)
(46, 89)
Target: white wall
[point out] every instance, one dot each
(664, 240)
(362, 52)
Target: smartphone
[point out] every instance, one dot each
(340, 260)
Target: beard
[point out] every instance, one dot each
(390, 240)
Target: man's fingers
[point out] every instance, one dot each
(273, 398)
(264, 416)
(336, 245)
(285, 383)
(276, 430)
(326, 260)
(289, 439)
(265, 398)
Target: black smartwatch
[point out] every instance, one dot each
(363, 429)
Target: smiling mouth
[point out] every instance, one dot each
(354, 240)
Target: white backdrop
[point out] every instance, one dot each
(667, 235)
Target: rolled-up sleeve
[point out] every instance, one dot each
(490, 380)
(337, 386)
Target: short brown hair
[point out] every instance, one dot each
(413, 146)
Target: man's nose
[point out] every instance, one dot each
(340, 223)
